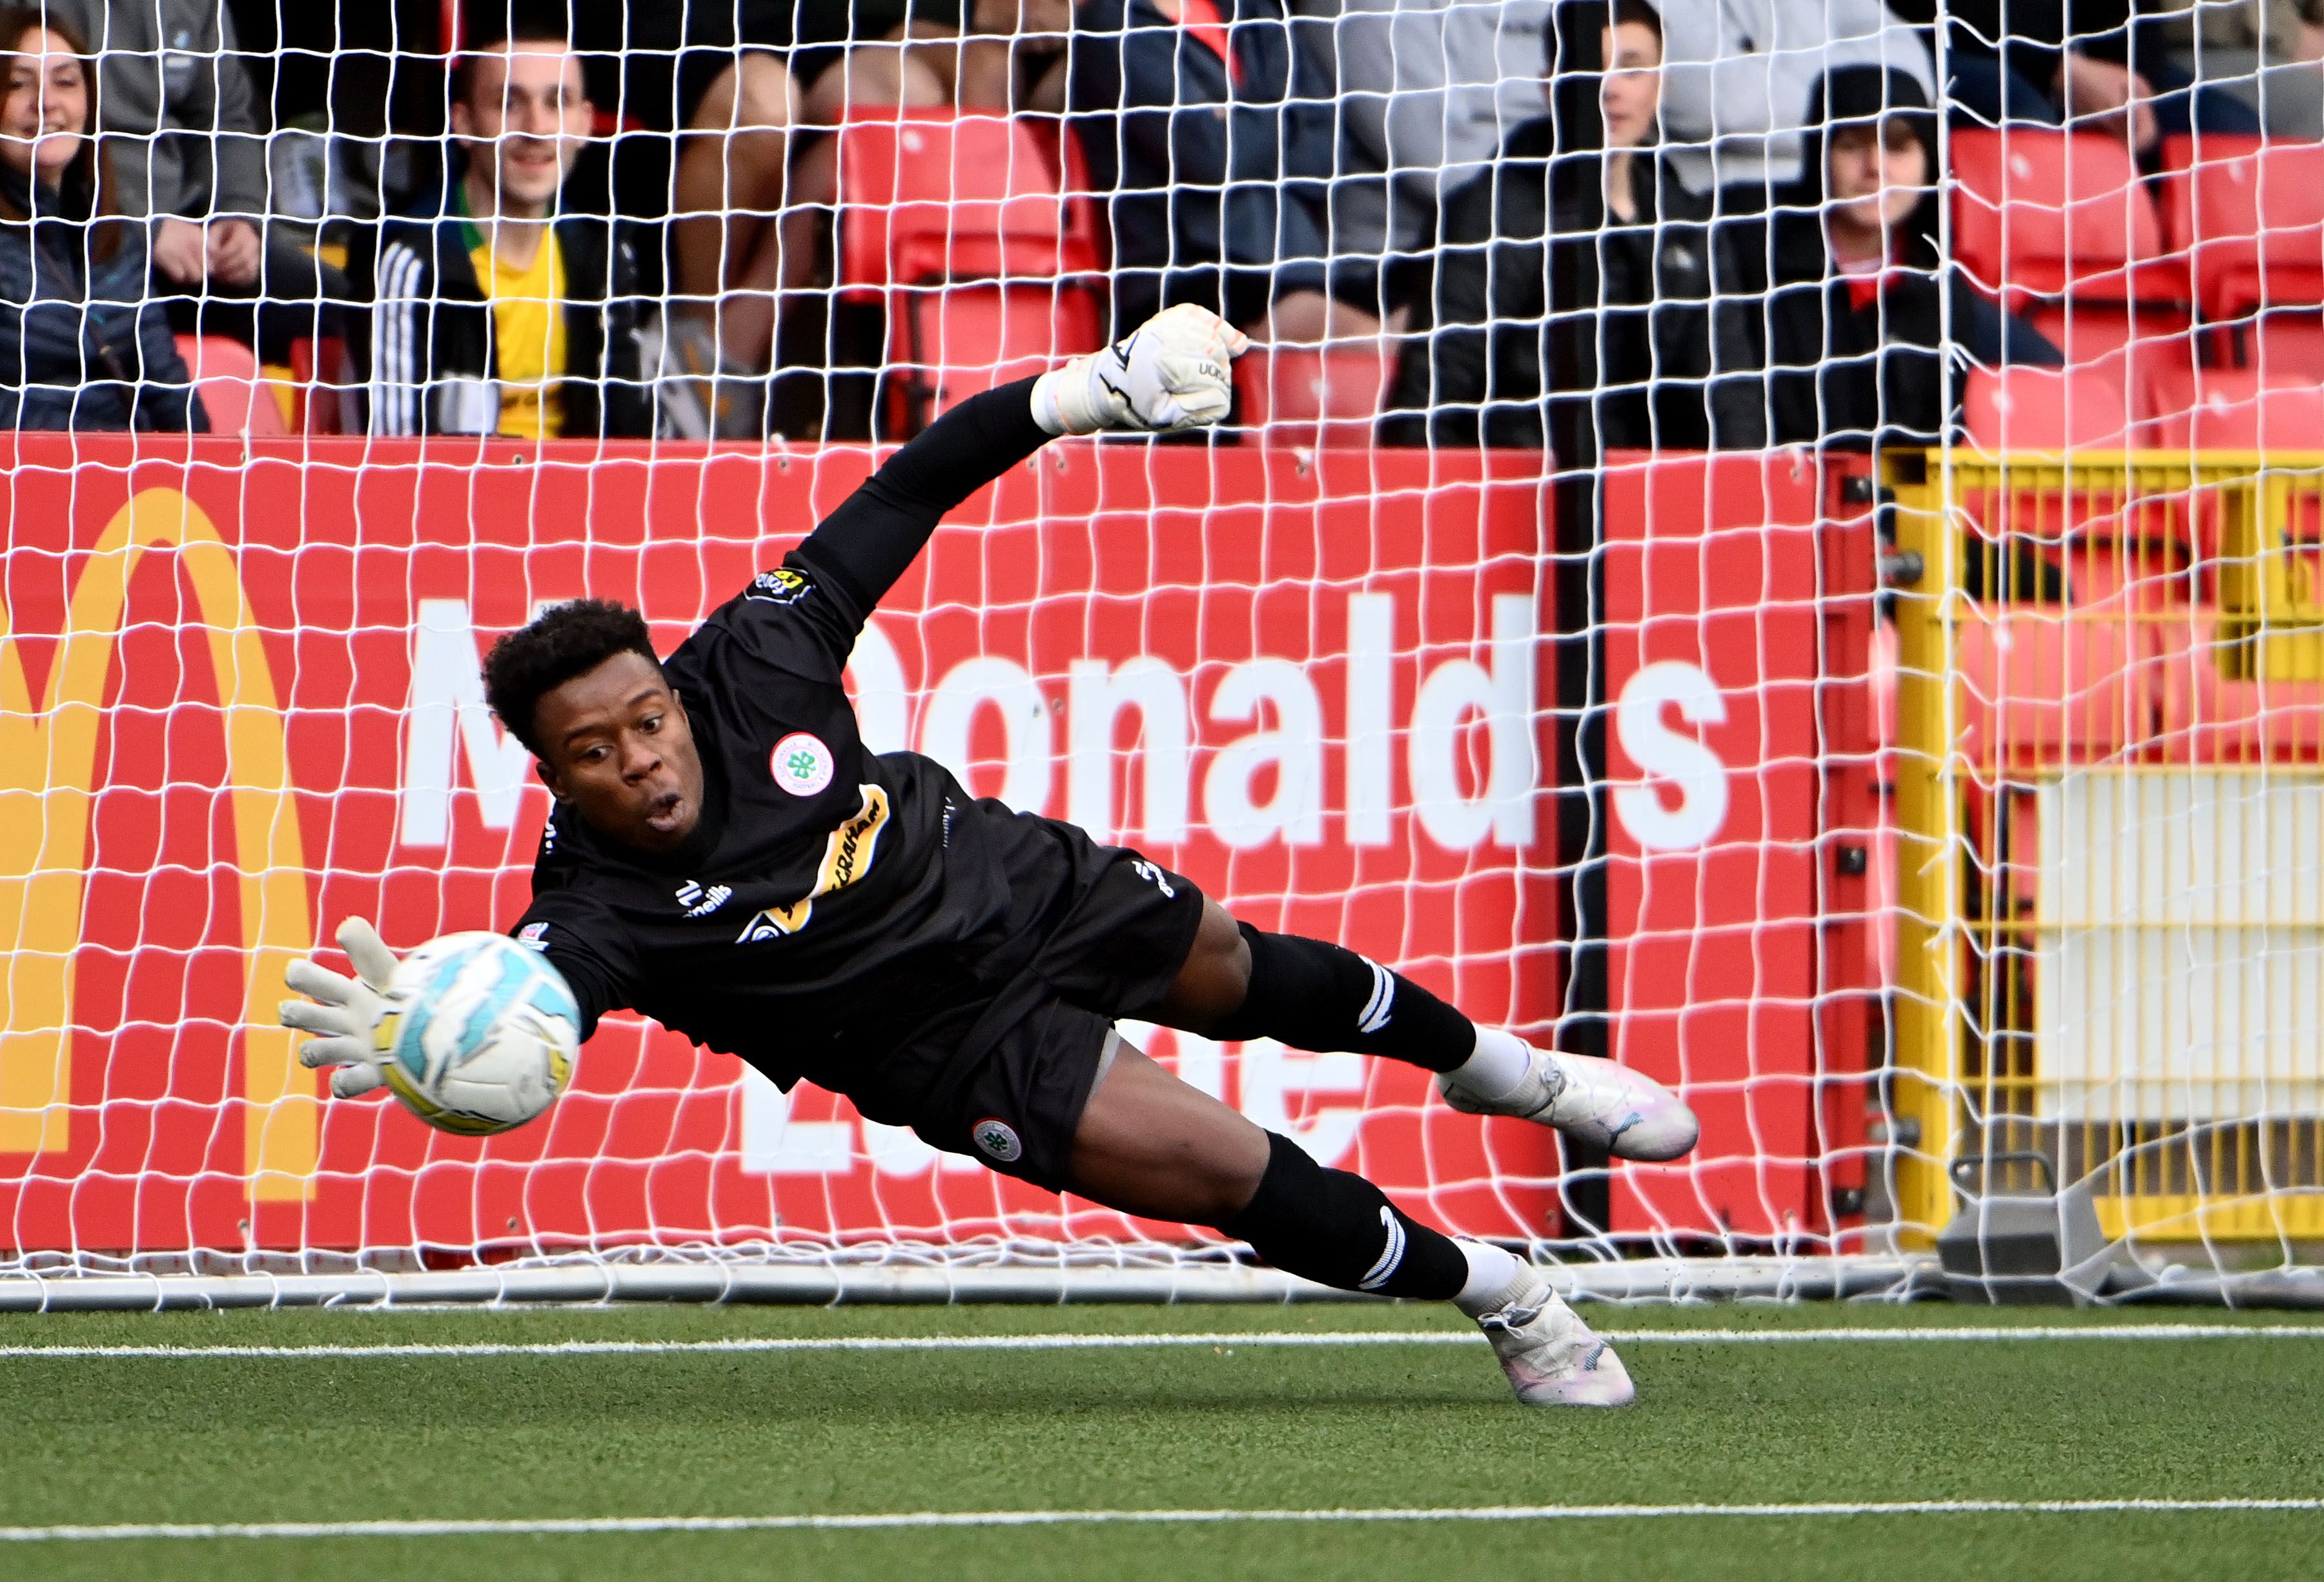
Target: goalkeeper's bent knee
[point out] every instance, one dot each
(1338, 1230)
(1312, 995)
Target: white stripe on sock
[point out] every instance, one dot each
(1390, 1256)
(1383, 1000)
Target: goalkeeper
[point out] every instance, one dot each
(726, 858)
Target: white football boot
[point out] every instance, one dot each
(1551, 1357)
(1599, 1103)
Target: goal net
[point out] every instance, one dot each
(1944, 823)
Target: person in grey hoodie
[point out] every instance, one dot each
(1739, 73)
(178, 119)
(177, 122)
(1428, 90)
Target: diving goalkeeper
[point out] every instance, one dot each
(726, 858)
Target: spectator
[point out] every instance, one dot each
(2092, 65)
(974, 55)
(1210, 126)
(1735, 84)
(1427, 91)
(496, 313)
(80, 346)
(757, 85)
(722, 74)
(1631, 329)
(178, 119)
(1856, 308)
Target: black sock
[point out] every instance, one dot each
(1339, 1230)
(1323, 997)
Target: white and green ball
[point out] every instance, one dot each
(481, 1034)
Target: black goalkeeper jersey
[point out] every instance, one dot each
(830, 900)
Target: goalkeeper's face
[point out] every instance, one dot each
(616, 744)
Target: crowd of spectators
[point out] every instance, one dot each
(1667, 223)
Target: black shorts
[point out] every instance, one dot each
(1095, 933)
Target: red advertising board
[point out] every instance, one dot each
(239, 701)
(1738, 605)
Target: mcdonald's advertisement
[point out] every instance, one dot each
(241, 700)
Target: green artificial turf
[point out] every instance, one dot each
(102, 1441)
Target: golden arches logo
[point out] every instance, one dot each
(48, 757)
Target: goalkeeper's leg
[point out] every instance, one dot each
(1241, 983)
(1151, 1145)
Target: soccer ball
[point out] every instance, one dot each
(480, 1033)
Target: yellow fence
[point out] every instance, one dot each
(2111, 819)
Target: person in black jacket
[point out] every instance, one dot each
(1592, 275)
(1854, 304)
(2094, 65)
(81, 345)
(495, 313)
(1210, 127)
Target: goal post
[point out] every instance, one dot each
(2110, 813)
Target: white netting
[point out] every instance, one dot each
(1625, 748)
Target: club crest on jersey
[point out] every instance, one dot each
(998, 1140)
(533, 936)
(701, 903)
(801, 764)
(781, 586)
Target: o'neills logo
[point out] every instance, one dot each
(48, 762)
(847, 857)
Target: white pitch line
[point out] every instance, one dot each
(1217, 1338)
(890, 1520)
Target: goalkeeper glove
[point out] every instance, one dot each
(1169, 373)
(343, 1013)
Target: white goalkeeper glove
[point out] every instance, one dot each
(1169, 373)
(343, 1014)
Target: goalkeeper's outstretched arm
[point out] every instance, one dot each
(1169, 373)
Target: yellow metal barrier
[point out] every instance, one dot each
(2110, 821)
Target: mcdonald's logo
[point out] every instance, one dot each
(48, 759)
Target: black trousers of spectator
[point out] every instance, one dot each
(295, 296)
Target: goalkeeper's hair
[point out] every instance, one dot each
(568, 640)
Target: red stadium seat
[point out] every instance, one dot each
(2054, 410)
(2240, 408)
(2250, 215)
(2040, 214)
(1329, 394)
(2285, 344)
(2141, 349)
(226, 375)
(958, 340)
(322, 386)
(2206, 718)
(2044, 686)
(938, 197)
(958, 225)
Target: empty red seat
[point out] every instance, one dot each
(958, 340)
(2043, 214)
(2049, 685)
(2250, 215)
(1329, 394)
(2054, 410)
(2141, 349)
(2242, 409)
(958, 224)
(226, 377)
(2283, 344)
(927, 197)
(2206, 718)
